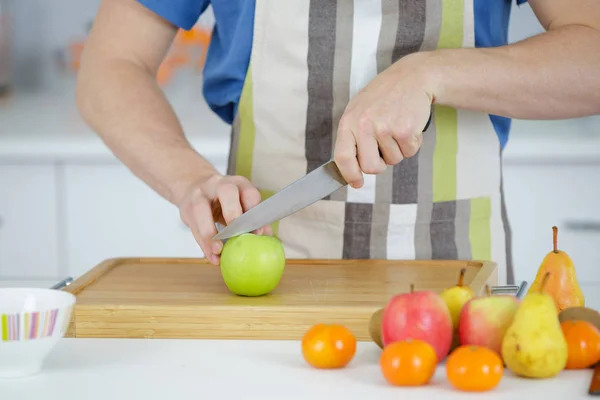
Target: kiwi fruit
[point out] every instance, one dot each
(580, 314)
(375, 327)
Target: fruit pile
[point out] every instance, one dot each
(476, 337)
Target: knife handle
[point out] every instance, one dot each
(424, 129)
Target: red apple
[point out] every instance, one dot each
(484, 320)
(418, 315)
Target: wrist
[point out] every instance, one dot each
(193, 173)
(429, 70)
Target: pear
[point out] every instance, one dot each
(534, 345)
(562, 285)
(455, 298)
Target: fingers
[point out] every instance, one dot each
(344, 156)
(228, 195)
(249, 195)
(205, 229)
(368, 148)
(408, 138)
(390, 150)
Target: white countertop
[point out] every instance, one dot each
(102, 369)
(45, 127)
(162, 369)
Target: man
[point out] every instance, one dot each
(302, 81)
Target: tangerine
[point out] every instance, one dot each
(328, 346)
(474, 368)
(409, 362)
(583, 344)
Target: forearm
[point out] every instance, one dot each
(124, 105)
(554, 75)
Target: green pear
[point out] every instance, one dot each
(534, 345)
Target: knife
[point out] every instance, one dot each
(307, 190)
(300, 194)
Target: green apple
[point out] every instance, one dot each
(252, 265)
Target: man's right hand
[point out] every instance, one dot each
(217, 199)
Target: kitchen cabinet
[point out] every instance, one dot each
(29, 226)
(540, 196)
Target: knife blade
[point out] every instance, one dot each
(307, 190)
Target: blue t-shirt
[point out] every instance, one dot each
(228, 56)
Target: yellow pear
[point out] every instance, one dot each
(534, 345)
(455, 298)
(562, 285)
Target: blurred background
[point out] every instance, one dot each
(66, 203)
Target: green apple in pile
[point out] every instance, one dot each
(252, 265)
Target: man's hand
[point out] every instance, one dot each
(215, 199)
(383, 123)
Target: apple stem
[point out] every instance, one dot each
(544, 281)
(555, 238)
(488, 291)
(412, 288)
(461, 277)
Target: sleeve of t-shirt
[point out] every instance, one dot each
(182, 13)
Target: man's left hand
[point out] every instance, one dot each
(383, 123)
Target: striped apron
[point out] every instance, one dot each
(309, 58)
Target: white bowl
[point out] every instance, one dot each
(32, 321)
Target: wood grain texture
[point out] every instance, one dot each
(187, 298)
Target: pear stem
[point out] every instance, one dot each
(488, 291)
(461, 277)
(555, 238)
(544, 281)
(412, 288)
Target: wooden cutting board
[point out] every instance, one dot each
(187, 298)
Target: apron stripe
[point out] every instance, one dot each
(384, 181)
(468, 24)
(425, 193)
(423, 240)
(233, 146)
(320, 60)
(409, 38)
(443, 244)
(357, 227)
(367, 20)
(367, 23)
(479, 228)
(401, 231)
(451, 31)
(510, 273)
(411, 28)
(279, 93)
(341, 73)
(433, 18)
(444, 157)
(381, 215)
(496, 236)
(463, 215)
(387, 34)
(245, 141)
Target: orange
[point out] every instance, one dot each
(408, 362)
(328, 346)
(474, 368)
(583, 344)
